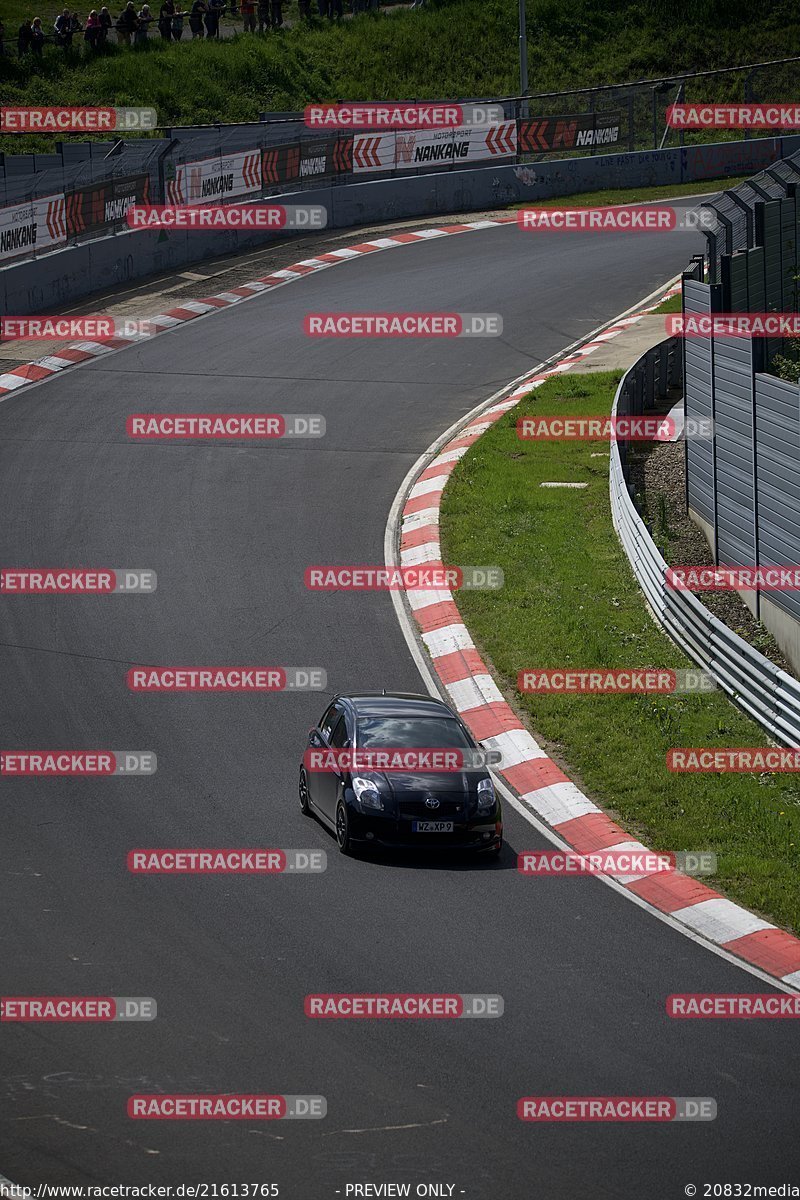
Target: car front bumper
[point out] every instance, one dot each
(480, 833)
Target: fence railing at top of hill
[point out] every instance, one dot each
(83, 190)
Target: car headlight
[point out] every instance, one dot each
(367, 795)
(486, 793)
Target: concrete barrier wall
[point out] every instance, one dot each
(54, 280)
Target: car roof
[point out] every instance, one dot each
(397, 704)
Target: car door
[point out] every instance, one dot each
(327, 782)
(320, 738)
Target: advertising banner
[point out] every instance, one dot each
(215, 179)
(317, 158)
(583, 131)
(32, 226)
(102, 205)
(374, 151)
(409, 149)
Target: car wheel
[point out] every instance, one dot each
(343, 829)
(305, 805)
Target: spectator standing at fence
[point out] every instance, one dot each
(37, 36)
(105, 22)
(215, 9)
(24, 37)
(127, 24)
(276, 13)
(62, 26)
(335, 10)
(91, 34)
(177, 26)
(249, 15)
(75, 25)
(196, 14)
(145, 20)
(264, 15)
(165, 15)
(68, 22)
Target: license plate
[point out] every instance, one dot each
(433, 826)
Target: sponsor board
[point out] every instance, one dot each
(315, 159)
(46, 222)
(581, 131)
(413, 148)
(102, 205)
(733, 158)
(374, 152)
(217, 178)
(33, 225)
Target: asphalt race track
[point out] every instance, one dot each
(230, 528)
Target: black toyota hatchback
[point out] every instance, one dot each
(399, 770)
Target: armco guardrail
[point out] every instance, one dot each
(769, 695)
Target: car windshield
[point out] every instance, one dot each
(396, 732)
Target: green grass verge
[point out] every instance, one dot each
(673, 305)
(634, 195)
(570, 599)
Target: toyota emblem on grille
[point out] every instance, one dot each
(431, 802)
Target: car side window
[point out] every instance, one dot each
(328, 721)
(339, 734)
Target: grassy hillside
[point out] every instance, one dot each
(450, 48)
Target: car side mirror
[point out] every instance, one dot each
(493, 757)
(315, 739)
